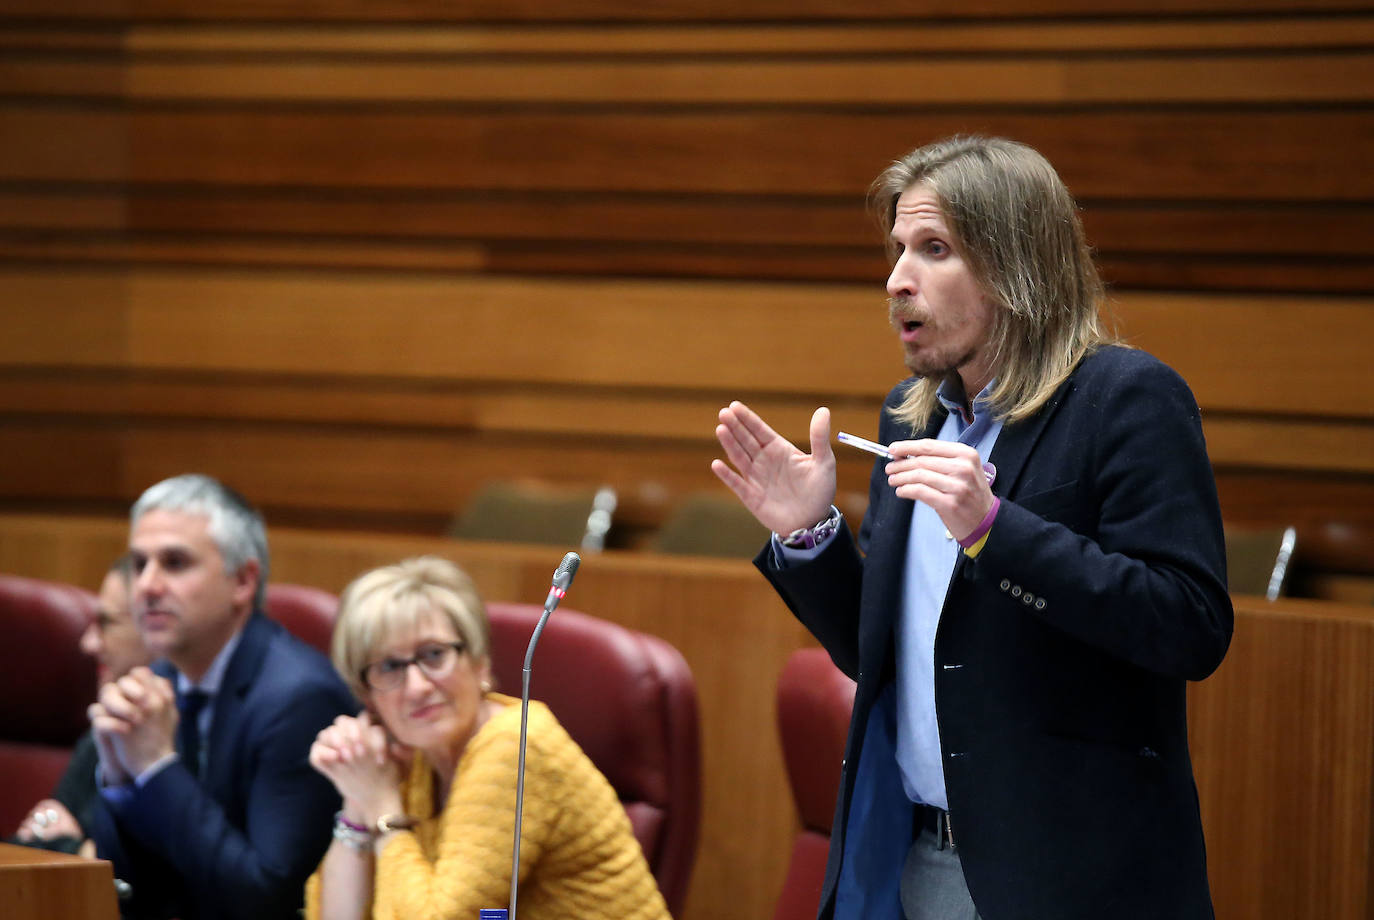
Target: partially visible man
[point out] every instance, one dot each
(209, 808)
(1039, 573)
(60, 823)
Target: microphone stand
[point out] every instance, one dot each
(562, 578)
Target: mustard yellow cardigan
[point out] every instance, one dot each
(579, 859)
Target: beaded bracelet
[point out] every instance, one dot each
(352, 834)
(811, 537)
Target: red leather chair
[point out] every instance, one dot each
(815, 700)
(46, 683)
(629, 700)
(307, 613)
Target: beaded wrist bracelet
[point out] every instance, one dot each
(352, 834)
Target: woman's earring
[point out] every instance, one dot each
(486, 686)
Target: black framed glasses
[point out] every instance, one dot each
(434, 659)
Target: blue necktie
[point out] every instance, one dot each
(189, 704)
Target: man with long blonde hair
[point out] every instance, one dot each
(1039, 572)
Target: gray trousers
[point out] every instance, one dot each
(933, 886)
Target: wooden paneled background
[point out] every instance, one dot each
(359, 258)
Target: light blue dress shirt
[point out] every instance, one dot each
(931, 554)
(930, 557)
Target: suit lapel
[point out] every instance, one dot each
(229, 702)
(1015, 443)
(1011, 451)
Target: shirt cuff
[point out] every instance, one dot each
(155, 768)
(785, 556)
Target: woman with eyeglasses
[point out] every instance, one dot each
(427, 774)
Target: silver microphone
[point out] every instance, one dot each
(562, 578)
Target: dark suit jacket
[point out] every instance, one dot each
(1062, 651)
(241, 841)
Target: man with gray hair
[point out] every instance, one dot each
(208, 807)
(1039, 572)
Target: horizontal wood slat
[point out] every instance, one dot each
(1291, 156)
(785, 11)
(1139, 228)
(1317, 274)
(146, 40)
(1331, 77)
(1152, 33)
(1297, 156)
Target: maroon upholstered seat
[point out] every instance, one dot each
(307, 613)
(46, 684)
(629, 700)
(815, 700)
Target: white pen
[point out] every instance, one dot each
(873, 447)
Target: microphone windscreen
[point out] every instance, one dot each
(566, 570)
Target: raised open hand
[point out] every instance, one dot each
(784, 487)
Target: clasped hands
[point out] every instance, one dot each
(134, 721)
(788, 489)
(364, 764)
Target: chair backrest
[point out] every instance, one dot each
(815, 701)
(537, 512)
(629, 700)
(307, 613)
(46, 684)
(711, 524)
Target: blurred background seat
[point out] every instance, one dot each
(710, 524)
(538, 512)
(42, 665)
(1257, 560)
(629, 700)
(815, 700)
(307, 613)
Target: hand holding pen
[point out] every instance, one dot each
(942, 474)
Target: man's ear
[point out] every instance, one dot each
(246, 583)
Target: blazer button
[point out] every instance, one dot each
(1027, 598)
(1006, 583)
(1016, 591)
(1039, 603)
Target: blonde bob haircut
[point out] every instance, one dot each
(1017, 227)
(394, 598)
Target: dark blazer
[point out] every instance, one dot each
(1062, 651)
(241, 841)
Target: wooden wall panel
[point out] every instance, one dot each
(368, 396)
(639, 109)
(1282, 736)
(1260, 354)
(396, 245)
(62, 143)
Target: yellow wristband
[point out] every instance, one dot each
(973, 551)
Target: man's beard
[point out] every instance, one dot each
(936, 364)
